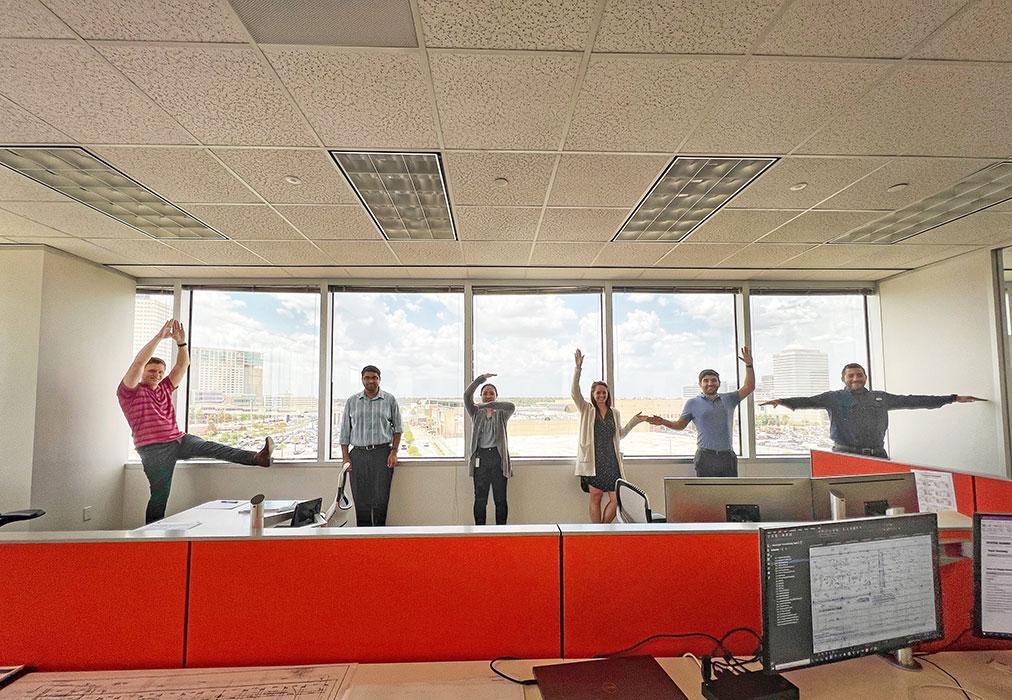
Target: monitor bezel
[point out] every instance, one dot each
(802, 484)
(978, 622)
(883, 646)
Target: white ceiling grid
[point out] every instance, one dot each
(553, 118)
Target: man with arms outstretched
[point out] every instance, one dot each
(145, 395)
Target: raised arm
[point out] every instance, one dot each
(749, 386)
(136, 370)
(182, 354)
(469, 393)
(576, 393)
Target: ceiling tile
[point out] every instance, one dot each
(966, 112)
(329, 23)
(244, 222)
(82, 95)
(222, 94)
(773, 105)
(901, 255)
(819, 226)
(472, 178)
(824, 177)
(763, 255)
(626, 253)
(571, 254)
(80, 248)
(217, 252)
(494, 100)
(14, 226)
(344, 222)
(925, 177)
(496, 252)
(144, 252)
(983, 32)
(633, 103)
(983, 228)
(30, 19)
(521, 24)
(428, 252)
(179, 174)
(739, 225)
(151, 20)
(683, 26)
(497, 223)
(581, 224)
(18, 126)
(605, 180)
(823, 256)
(848, 275)
(290, 252)
(358, 252)
(358, 98)
(75, 219)
(869, 28)
(697, 254)
(265, 169)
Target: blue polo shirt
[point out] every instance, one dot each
(713, 419)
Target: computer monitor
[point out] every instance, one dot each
(866, 495)
(837, 590)
(992, 575)
(787, 500)
(306, 512)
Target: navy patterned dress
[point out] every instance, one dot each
(605, 459)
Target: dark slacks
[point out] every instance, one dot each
(865, 451)
(488, 473)
(159, 461)
(715, 463)
(370, 484)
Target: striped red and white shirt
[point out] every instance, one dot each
(150, 412)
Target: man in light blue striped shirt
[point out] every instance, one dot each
(370, 435)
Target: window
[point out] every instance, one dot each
(528, 340)
(801, 344)
(662, 341)
(416, 339)
(254, 369)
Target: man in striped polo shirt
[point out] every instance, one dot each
(145, 396)
(371, 428)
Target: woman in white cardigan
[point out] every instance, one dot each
(598, 458)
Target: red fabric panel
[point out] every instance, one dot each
(77, 606)
(376, 599)
(620, 589)
(957, 610)
(993, 495)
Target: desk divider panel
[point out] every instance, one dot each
(993, 495)
(79, 606)
(373, 599)
(621, 588)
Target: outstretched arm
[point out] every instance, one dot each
(576, 393)
(749, 386)
(136, 370)
(919, 401)
(182, 354)
(679, 424)
(633, 422)
(795, 402)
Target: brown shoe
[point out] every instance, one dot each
(263, 457)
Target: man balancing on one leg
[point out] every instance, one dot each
(145, 395)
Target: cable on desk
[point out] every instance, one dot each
(520, 681)
(718, 643)
(954, 679)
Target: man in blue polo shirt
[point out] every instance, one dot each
(713, 414)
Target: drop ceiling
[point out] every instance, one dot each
(552, 118)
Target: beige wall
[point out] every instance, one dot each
(939, 336)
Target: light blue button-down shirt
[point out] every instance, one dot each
(370, 421)
(713, 419)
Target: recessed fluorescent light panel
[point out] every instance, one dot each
(81, 175)
(688, 193)
(984, 188)
(404, 193)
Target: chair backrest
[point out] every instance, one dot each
(342, 511)
(14, 516)
(633, 506)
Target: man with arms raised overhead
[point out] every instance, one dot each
(145, 395)
(858, 417)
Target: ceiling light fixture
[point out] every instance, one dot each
(688, 192)
(79, 174)
(404, 193)
(798, 186)
(897, 187)
(500, 182)
(983, 189)
(293, 180)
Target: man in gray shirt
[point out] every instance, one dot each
(713, 414)
(371, 428)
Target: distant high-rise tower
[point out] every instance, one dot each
(233, 376)
(799, 371)
(151, 311)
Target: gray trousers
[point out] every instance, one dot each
(370, 484)
(715, 463)
(159, 461)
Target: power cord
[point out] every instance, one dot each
(954, 679)
(520, 681)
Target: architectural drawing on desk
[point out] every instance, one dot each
(275, 683)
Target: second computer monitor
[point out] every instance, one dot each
(785, 500)
(866, 495)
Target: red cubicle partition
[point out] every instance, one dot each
(618, 589)
(373, 599)
(993, 495)
(72, 606)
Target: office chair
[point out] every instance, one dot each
(342, 511)
(15, 516)
(636, 508)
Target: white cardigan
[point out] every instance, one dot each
(585, 463)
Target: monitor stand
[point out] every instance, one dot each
(902, 658)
